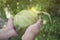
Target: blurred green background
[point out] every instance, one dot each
(49, 31)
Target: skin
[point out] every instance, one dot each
(8, 30)
(31, 32)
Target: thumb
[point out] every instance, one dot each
(10, 23)
(39, 22)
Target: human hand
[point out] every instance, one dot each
(32, 31)
(8, 30)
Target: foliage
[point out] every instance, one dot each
(49, 31)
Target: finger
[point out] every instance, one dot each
(39, 22)
(10, 23)
(11, 17)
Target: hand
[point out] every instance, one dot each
(32, 31)
(8, 30)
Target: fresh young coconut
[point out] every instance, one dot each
(24, 19)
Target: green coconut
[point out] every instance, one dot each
(24, 19)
